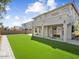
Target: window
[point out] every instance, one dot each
(54, 28)
(35, 29)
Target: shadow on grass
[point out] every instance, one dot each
(74, 49)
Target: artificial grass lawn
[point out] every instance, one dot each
(28, 47)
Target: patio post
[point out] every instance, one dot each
(33, 30)
(42, 31)
(46, 31)
(61, 33)
(38, 30)
(65, 32)
(70, 32)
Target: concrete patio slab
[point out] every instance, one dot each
(75, 42)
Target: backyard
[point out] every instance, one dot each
(29, 47)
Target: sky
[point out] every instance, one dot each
(22, 11)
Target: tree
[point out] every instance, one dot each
(3, 4)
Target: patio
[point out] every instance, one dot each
(74, 41)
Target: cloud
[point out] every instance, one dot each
(8, 8)
(16, 23)
(19, 23)
(7, 17)
(35, 7)
(12, 21)
(17, 18)
(43, 1)
(52, 4)
(41, 6)
(63, 4)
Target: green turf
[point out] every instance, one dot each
(28, 47)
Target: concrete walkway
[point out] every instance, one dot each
(75, 42)
(5, 49)
(30, 34)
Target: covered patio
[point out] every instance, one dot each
(61, 31)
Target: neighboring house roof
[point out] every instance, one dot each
(27, 25)
(59, 8)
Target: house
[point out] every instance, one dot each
(56, 23)
(27, 27)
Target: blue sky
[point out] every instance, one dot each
(21, 11)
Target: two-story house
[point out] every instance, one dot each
(56, 23)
